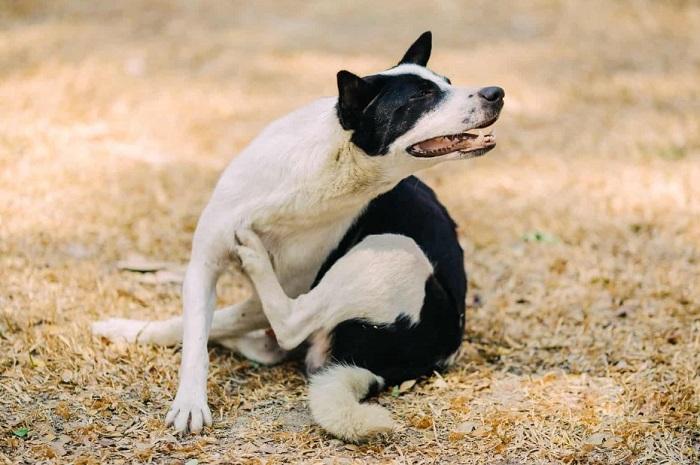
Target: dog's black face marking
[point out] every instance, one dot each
(380, 108)
(398, 103)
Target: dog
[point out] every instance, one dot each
(346, 250)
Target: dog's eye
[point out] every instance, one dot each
(423, 93)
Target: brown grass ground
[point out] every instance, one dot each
(582, 229)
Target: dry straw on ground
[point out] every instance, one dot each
(581, 231)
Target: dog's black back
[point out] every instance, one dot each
(400, 351)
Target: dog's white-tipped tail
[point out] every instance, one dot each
(334, 397)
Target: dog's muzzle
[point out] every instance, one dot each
(473, 142)
(466, 143)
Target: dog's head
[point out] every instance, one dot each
(411, 112)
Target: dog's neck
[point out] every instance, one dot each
(303, 173)
(352, 175)
(335, 193)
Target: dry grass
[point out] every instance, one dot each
(581, 229)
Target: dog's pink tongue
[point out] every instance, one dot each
(437, 143)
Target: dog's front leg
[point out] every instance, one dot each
(189, 410)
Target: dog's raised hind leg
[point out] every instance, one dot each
(378, 280)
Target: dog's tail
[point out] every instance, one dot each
(334, 397)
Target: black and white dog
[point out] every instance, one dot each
(345, 249)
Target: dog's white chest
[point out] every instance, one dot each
(298, 257)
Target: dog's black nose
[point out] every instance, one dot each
(492, 94)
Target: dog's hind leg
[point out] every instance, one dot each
(378, 280)
(228, 323)
(239, 327)
(259, 346)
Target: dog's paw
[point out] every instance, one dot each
(119, 329)
(251, 251)
(189, 413)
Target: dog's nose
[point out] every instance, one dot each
(492, 94)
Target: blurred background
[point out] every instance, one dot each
(581, 230)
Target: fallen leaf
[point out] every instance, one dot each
(58, 448)
(423, 422)
(558, 266)
(539, 236)
(162, 277)
(407, 385)
(439, 383)
(36, 362)
(142, 264)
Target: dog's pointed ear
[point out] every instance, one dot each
(354, 94)
(419, 52)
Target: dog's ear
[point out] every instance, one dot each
(419, 52)
(354, 94)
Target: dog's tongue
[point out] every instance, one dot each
(436, 144)
(445, 144)
(442, 145)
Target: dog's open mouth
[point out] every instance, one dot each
(474, 143)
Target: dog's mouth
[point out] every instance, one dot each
(472, 142)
